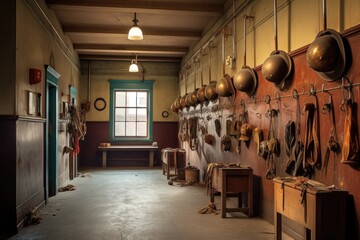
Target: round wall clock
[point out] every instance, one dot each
(100, 104)
(165, 114)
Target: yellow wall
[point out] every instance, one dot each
(299, 21)
(36, 39)
(165, 76)
(7, 61)
(34, 43)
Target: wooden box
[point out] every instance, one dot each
(322, 213)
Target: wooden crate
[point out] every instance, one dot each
(323, 214)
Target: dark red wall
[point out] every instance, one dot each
(341, 175)
(164, 133)
(8, 174)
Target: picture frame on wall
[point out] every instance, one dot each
(64, 110)
(32, 103)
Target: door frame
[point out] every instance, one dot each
(51, 132)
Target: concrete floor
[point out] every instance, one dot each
(136, 204)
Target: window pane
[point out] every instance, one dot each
(120, 99)
(142, 99)
(130, 128)
(141, 129)
(141, 114)
(131, 99)
(119, 114)
(120, 129)
(131, 114)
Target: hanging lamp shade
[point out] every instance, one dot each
(133, 67)
(135, 32)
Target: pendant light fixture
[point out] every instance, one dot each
(135, 32)
(134, 67)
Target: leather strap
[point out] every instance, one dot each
(290, 135)
(311, 143)
(193, 133)
(271, 167)
(294, 164)
(350, 149)
(272, 147)
(332, 145)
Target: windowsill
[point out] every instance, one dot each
(131, 140)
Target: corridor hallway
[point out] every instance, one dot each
(138, 204)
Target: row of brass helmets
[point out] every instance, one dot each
(225, 87)
(325, 55)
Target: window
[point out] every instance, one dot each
(131, 110)
(131, 113)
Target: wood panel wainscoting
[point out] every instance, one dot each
(22, 189)
(131, 148)
(164, 133)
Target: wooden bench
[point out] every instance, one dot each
(130, 148)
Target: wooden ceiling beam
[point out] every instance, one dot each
(130, 48)
(148, 31)
(128, 58)
(142, 5)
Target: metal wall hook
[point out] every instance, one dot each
(294, 95)
(312, 90)
(343, 88)
(327, 107)
(267, 99)
(253, 100)
(277, 95)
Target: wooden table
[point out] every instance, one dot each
(322, 213)
(130, 148)
(230, 182)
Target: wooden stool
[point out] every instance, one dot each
(232, 182)
(172, 157)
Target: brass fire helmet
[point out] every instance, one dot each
(177, 103)
(183, 101)
(193, 97)
(174, 108)
(201, 94)
(188, 100)
(277, 67)
(326, 55)
(210, 92)
(224, 87)
(245, 80)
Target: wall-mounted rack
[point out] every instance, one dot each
(345, 85)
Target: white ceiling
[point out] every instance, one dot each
(98, 28)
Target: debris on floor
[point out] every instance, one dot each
(187, 183)
(32, 218)
(211, 208)
(83, 175)
(68, 187)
